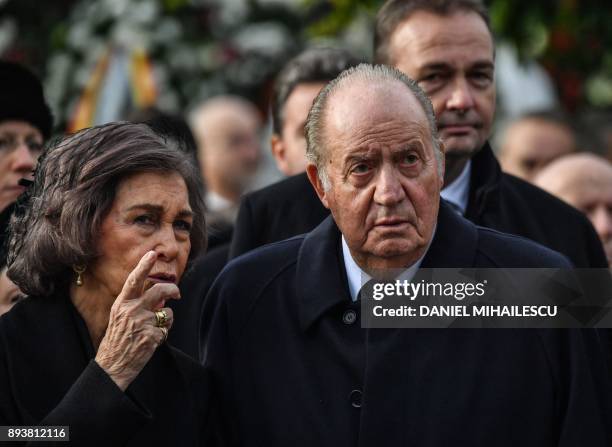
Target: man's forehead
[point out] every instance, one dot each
(428, 38)
(362, 121)
(371, 101)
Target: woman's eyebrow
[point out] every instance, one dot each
(158, 209)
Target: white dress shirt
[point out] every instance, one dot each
(357, 277)
(458, 192)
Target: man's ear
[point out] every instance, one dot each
(279, 153)
(313, 176)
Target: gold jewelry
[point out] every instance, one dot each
(79, 270)
(165, 332)
(161, 318)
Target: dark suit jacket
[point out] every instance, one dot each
(48, 377)
(496, 200)
(509, 204)
(194, 286)
(290, 370)
(279, 211)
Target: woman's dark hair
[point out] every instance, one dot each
(56, 224)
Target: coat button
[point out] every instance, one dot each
(355, 398)
(349, 316)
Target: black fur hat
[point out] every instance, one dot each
(22, 99)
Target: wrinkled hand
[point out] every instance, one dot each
(132, 335)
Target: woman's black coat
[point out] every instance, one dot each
(48, 377)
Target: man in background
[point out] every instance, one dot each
(533, 141)
(226, 130)
(447, 47)
(585, 182)
(289, 207)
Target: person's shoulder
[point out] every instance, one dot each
(25, 312)
(266, 260)
(249, 277)
(547, 204)
(251, 272)
(507, 250)
(289, 188)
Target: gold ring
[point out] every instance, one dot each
(161, 318)
(165, 332)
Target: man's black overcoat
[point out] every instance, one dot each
(290, 368)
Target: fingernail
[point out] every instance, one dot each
(152, 254)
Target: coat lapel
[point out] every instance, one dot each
(321, 277)
(455, 242)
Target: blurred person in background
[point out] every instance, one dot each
(585, 182)
(447, 47)
(99, 244)
(169, 126)
(227, 132)
(533, 141)
(291, 206)
(25, 123)
(295, 88)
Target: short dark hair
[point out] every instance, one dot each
(394, 12)
(312, 65)
(56, 225)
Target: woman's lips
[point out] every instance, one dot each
(162, 278)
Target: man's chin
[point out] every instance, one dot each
(397, 253)
(461, 146)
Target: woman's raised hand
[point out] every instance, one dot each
(133, 333)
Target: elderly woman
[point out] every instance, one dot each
(99, 246)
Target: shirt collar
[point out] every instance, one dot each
(357, 277)
(458, 192)
(216, 202)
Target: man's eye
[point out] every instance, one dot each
(410, 159)
(481, 79)
(182, 225)
(361, 168)
(431, 80)
(431, 77)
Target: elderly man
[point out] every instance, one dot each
(289, 207)
(280, 330)
(533, 141)
(585, 182)
(447, 47)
